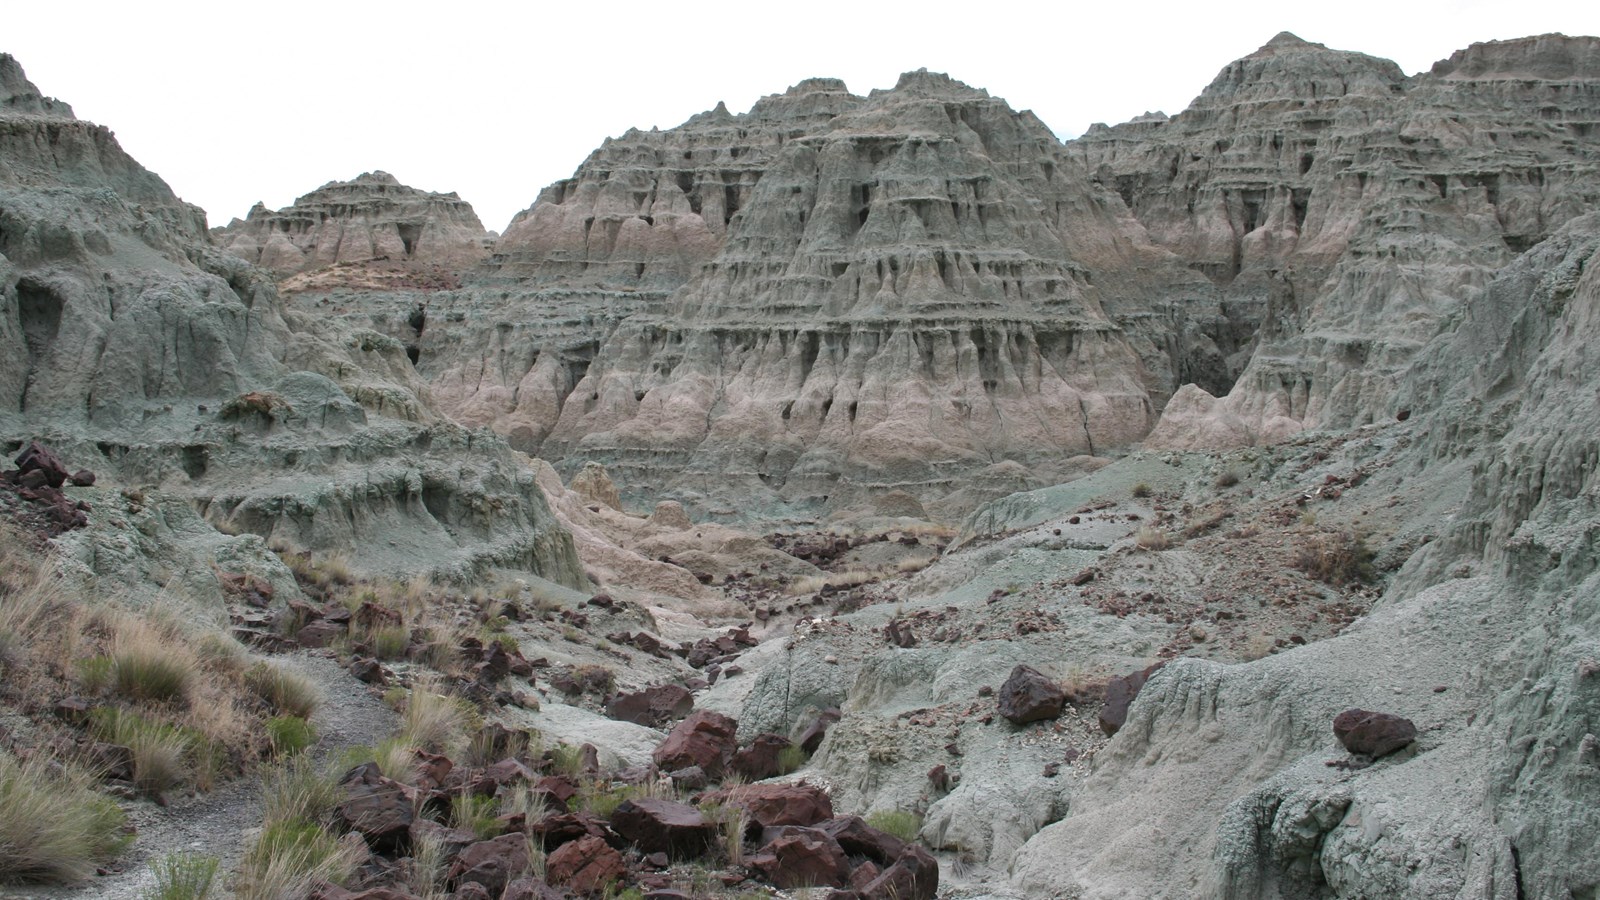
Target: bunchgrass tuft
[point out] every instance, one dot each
(475, 814)
(54, 826)
(289, 735)
(183, 876)
(288, 856)
(436, 722)
(147, 667)
(903, 825)
(288, 692)
(298, 791)
(161, 752)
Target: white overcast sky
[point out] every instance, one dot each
(234, 103)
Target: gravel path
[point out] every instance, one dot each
(220, 823)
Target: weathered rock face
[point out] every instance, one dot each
(132, 345)
(371, 226)
(110, 302)
(1352, 211)
(903, 294)
(1486, 639)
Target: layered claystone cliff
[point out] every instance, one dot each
(1355, 210)
(134, 346)
(369, 220)
(891, 290)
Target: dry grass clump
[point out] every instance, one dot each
(425, 869)
(54, 826)
(810, 584)
(149, 665)
(913, 564)
(1339, 558)
(436, 722)
(1152, 538)
(288, 857)
(163, 754)
(288, 692)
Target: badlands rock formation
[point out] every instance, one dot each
(373, 223)
(132, 345)
(831, 294)
(1382, 288)
(1353, 211)
(826, 291)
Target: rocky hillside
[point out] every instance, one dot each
(1328, 633)
(1355, 211)
(830, 296)
(370, 227)
(135, 347)
(888, 290)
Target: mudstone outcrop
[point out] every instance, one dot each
(1345, 310)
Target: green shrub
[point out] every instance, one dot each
(183, 876)
(54, 826)
(290, 735)
(901, 824)
(1141, 490)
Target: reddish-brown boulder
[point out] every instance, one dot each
(705, 739)
(802, 857)
(492, 863)
(556, 790)
(662, 826)
(1373, 733)
(557, 829)
(1029, 696)
(760, 759)
(914, 876)
(505, 772)
(377, 808)
(653, 706)
(451, 840)
(1120, 692)
(779, 804)
(319, 634)
(585, 865)
(36, 457)
(860, 839)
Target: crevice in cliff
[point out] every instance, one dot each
(39, 314)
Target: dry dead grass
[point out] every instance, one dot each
(810, 584)
(435, 721)
(1152, 538)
